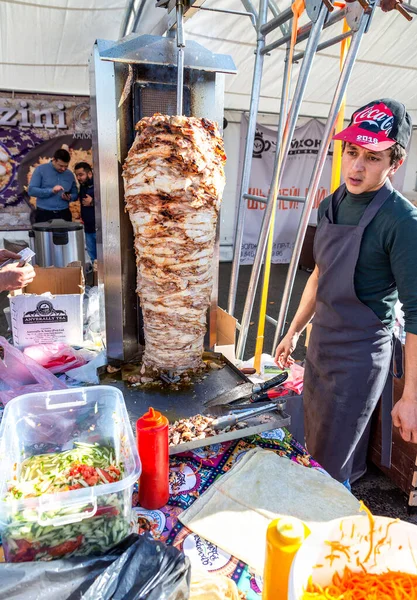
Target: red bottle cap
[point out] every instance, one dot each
(151, 419)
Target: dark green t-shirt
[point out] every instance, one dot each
(387, 265)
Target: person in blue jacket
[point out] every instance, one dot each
(54, 187)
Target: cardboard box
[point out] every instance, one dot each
(50, 309)
(226, 335)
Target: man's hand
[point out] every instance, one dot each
(13, 277)
(7, 255)
(87, 200)
(404, 416)
(57, 188)
(285, 348)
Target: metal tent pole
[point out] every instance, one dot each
(317, 172)
(180, 56)
(276, 12)
(285, 98)
(304, 31)
(247, 161)
(327, 44)
(277, 21)
(281, 138)
(305, 69)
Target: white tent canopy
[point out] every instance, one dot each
(45, 45)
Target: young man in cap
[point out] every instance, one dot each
(366, 258)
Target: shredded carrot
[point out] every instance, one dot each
(338, 547)
(393, 585)
(362, 585)
(383, 540)
(371, 529)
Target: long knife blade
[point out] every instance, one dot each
(230, 420)
(247, 389)
(240, 391)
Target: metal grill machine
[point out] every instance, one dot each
(138, 76)
(130, 79)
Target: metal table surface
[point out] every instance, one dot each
(188, 401)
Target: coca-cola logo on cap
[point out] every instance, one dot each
(378, 118)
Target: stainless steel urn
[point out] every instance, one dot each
(58, 243)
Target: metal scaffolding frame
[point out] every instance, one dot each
(322, 14)
(358, 17)
(265, 27)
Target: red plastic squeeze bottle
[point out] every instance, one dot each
(152, 442)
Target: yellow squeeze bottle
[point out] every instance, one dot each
(283, 539)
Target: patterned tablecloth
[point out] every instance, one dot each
(190, 475)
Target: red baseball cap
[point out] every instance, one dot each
(378, 126)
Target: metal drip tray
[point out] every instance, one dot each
(188, 401)
(272, 420)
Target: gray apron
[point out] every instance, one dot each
(349, 354)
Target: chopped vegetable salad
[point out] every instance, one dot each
(85, 465)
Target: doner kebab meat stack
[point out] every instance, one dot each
(174, 179)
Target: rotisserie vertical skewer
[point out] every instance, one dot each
(174, 178)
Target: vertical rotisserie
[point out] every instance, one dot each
(174, 179)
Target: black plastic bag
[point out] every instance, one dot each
(147, 570)
(138, 568)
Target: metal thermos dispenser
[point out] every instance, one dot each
(58, 243)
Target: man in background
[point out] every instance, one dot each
(53, 186)
(84, 175)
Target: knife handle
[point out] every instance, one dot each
(248, 371)
(268, 395)
(277, 380)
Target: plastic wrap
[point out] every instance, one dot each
(20, 374)
(57, 358)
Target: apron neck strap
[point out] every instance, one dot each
(335, 200)
(377, 201)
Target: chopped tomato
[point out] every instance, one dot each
(110, 511)
(76, 486)
(106, 475)
(27, 556)
(92, 479)
(114, 470)
(111, 474)
(25, 552)
(80, 469)
(89, 474)
(24, 545)
(65, 547)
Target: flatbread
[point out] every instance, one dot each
(235, 511)
(207, 586)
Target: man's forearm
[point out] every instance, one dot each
(39, 192)
(404, 413)
(410, 385)
(307, 306)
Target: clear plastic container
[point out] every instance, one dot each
(83, 521)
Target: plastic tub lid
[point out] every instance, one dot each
(57, 226)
